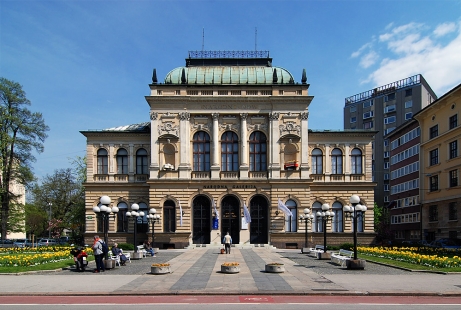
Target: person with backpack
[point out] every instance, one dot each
(98, 250)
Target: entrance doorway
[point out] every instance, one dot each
(230, 218)
(259, 233)
(201, 229)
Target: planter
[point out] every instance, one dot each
(230, 269)
(160, 270)
(136, 255)
(275, 268)
(355, 264)
(109, 263)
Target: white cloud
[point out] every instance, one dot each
(369, 59)
(410, 44)
(360, 50)
(401, 30)
(444, 28)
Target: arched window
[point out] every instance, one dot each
(337, 223)
(317, 161)
(122, 161)
(169, 216)
(291, 221)
(317, 223)
(142, 224)
(356, 161)
(141, 162)
(337, 161)
(122, 220)
(258, 151)
(201, 146)
(102, 161)
(229, 152)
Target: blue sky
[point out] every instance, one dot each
(87, 64)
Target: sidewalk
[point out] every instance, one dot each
(197, 271)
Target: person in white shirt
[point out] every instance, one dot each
(227, 240)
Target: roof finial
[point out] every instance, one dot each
(304, 78)
(274, 77)
(183, 76)
(154, 77)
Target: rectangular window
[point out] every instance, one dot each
(389, 108)
(408, 92)
(452, 211)
(386, 165)
(453, 178)
(389, 120)
(367, 114)
(408, 115)
(453, 149)
(353, 119)
(386, 142)
(389, 97)
(368, 103)
(386, 154)
(386, 176)
(434, 131)
(453, 121)
(368, 125)
(434, 157)
(386, 187)
(388, 130)
(433, 213)
(434, 183)
(408, 104)
(352, 108)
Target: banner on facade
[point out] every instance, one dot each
(180, 213)
(246, 213)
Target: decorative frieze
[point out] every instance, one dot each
(290, 128)
(168, 128)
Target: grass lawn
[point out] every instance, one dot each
(406, 265)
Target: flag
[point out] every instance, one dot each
(284, 208)
(246, 214)
(180, 213)
(215, 210)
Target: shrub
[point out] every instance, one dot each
(347, 246)
(126, 246)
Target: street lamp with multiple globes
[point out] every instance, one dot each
(134, 215)
(307, 217)
(356, 212)
(105, 212)
(326, 216)
(153, 218)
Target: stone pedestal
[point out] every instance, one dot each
(136, 255)
(355, 264)
(272, 268)
(230, 269)
(160, 270)
(323, 255)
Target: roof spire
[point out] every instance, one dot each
(183, 76)
(274, 77)
(304, 78)
(154, 77)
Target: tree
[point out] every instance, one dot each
(21, 132)
(36, 219)
(382, 228)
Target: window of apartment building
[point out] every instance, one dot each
(399, 234)
(389, 120)
(389, 97)
(386, 165)
(434, 131)
(386, 187)
(356, 161)
(336, 161)
(453, 149)
(408, 104)
(368, 103)
(367, 114)
(434, 183)
(258, 151)
(229, 151)
(453, 121)
(386, 176)
(389, 108)
(415, 234)
(122, 161)
(386, 142)
(368, 125)
(408, 115)
(434, 157)
(386, 154)
(453, 174)
(452, 211)
(453, 234)
(433, 213)
(388, 130)
(352, 108)
(317, 161)
(353, 119)
(201, 151)
(141, 162)
(408, 92)
(102, 161)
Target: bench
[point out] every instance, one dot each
(315, 251)
(142, 250)
(341, 257)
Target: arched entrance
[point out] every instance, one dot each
(230, 218)
(259, 220)
(201, 230)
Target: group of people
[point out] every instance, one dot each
(98, 251)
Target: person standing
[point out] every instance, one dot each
(98, 254)
(227, 240)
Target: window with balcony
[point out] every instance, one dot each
(102, 161)
(122, 161)
(453, 149)
(201, 151)
(434, 183)
(433, 213)
(356, 161)
(337, 161)
(142, 166)
(453, 174)
(434, 157)
(434, 131)
(229, 151)
(258, 151)
(317, 161)
(453, 121)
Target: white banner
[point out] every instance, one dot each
(215, 210)
(180, 213)
(246, 213)
(284, 208)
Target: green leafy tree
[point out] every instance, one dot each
(36, 219)
(21, 132)
(382, 227)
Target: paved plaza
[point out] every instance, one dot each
(198, 271)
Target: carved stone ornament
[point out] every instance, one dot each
(251, 127)
(290, 128)
(206, 126)
(168, 128)
(229, 126)
(215, 116)
(184, 116)
(274, 116)
(304, 115)
(244, 115)
(153, 115)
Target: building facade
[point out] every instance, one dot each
(228, 133)
(440, 163)
(383, 109)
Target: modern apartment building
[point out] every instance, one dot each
(383, 109)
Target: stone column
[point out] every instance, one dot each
(347, 161)
(215, 168)
(274, 168)
(110, 162)
(244, 149)
(154, 165)
(304, 164)
(131, 165)
(184, 129)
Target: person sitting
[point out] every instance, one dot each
(149, 248)
(116, 251)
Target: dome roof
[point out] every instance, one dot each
(230, 75)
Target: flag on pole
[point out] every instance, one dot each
(215, 210)
(180, 213)
(284, 208)
(246, 213)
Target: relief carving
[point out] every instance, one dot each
(274, 116)
(184, 116)
(304, 115)
(153, 115)
(290, 128)
(168, 128)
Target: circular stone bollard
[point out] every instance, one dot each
(230, 269)
(275, 268)
(355, 264)
(160, 269)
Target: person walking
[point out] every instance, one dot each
(98, 254)
(227, 240)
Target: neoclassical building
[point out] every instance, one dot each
(229, 132)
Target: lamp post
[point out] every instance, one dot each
(49, 221)
(105, 212)
(326, 216)
(134, 215)
(153, 218)
(356, 212)
(306, 218)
